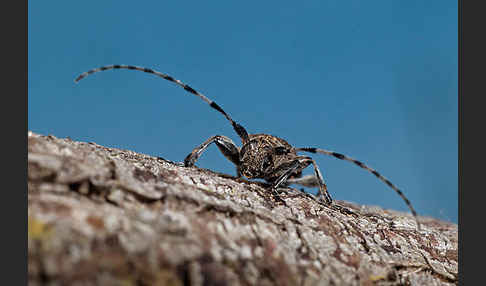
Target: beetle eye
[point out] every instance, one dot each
(280, 150)
(267, 161)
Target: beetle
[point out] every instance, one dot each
(262, 156)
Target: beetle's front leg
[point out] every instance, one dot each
(300, 163)
(225, 145)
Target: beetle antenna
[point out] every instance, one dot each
(240, 130)
(372, 171)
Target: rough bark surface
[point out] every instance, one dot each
(104, 216)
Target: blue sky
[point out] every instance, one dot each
(376, 80)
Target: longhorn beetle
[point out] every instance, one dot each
(262, 156)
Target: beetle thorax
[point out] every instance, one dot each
(255, 160)
(258, 156)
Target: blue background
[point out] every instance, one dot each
(376, 80)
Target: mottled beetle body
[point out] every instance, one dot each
(262, 156)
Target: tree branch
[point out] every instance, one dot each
(106, 216)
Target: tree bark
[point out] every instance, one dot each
(104, 216)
